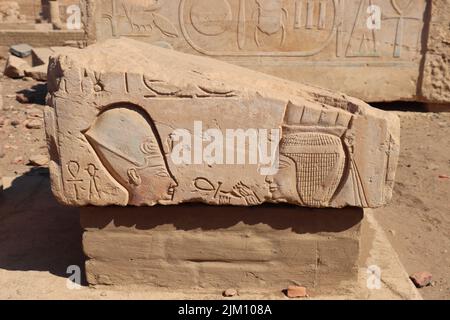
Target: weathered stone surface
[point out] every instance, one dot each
(21, 50)
(123, 113)
(241, 248)
(369, 49)
(15, 67)
(38, 160)
(41, 56)
(10, 12)
(436, 76)
(38, 73)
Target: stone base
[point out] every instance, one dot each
(109, 263)
(215, 248)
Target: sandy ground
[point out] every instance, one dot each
(39, 238)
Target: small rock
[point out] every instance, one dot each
(2, 121)
(15, 67)
(421, 279)
(2, 153)
(230, 293)
(27, 79)
(392, 232)
(15, 123)
(22, 98)
(34, 124)
(17, 160)
(296, 292)
(444, 176)
(38, 160)
(103, 294)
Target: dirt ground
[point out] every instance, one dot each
(39, 238)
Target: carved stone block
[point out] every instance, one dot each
(319, 42)
(133, 124)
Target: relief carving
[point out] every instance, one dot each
(127, 144)
(129, 147)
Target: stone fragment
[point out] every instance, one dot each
(40, 56)
(2, 153)
(159, 126)
(38, 73)
(230, 293)
(296, 292)
(15, 67)
(38, 160)
(34, 124)
(421, 279)
(21, 50)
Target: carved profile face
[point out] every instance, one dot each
(129, 148)
(283, 185)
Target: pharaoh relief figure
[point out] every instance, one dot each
(311, 164)
(128, 145)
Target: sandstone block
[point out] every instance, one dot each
(38, 73)
(15, 67)
(320, 42)
(134, 124)
(186, 247)
(21, 50)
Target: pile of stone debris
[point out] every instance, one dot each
(27, 62)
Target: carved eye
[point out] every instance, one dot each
(162, 174)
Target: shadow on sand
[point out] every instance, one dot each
(37, 233)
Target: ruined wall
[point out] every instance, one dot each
(328, 43)
(39, 38)
(436, 78)
(369, 49)
(32, 9)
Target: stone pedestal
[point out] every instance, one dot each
(262, 248)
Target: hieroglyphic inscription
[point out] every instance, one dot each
(337, 29)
